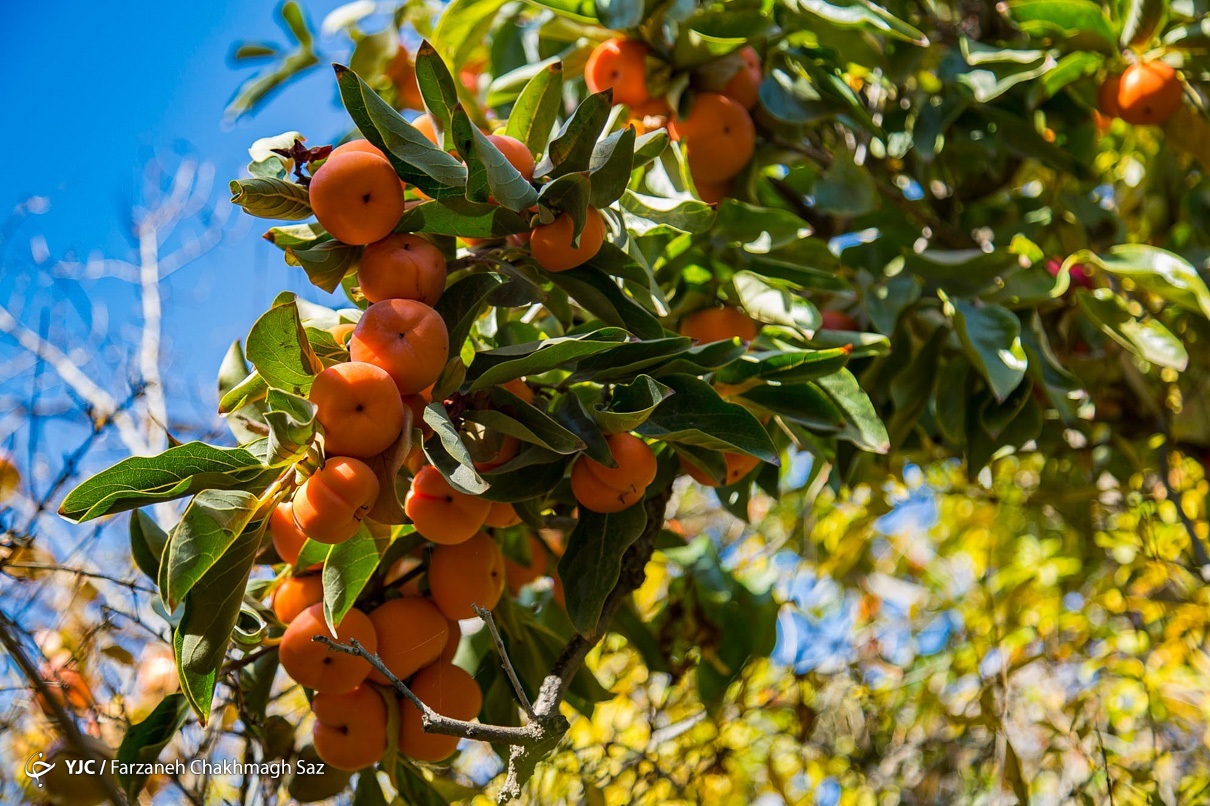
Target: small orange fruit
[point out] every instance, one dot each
(718, 136)
(356, 197)
(1149, 93)
(621, 65)
(551, 243)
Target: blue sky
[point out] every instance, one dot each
(94, 89)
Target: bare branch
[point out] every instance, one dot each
(505, 661)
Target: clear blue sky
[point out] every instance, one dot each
(91, 90)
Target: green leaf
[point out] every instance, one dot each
(571, 150)
(569, 194)
(626, 360)
(251, 389)
(325, 263)
(461, 27)
(619, 14)
(180, 471)
(437, 87)
(211, 610)
(649, 146)
(668, 215)
(417, 161)
(498, 366)
(610, 167)
(462, 217)
(489, 168)
(347, 569)
(991, 336)
(776, 303)
(805, 404)
(536, 110)
(1159, 271)
(291, 421)
(865, 16)
(462, 303)
(570, 412)
(630, 405)
(600, 295)
(1146, 338)
(144, 741)
(1194, 36)
(1140, 20)
(845, 189)
(592, 564)
(695, 415)
(453, 460)
(277, 346)
(544, 430)
(862, 426)
(147, 541)
(209, 526)
(1082, 19)
(297, 235)
(784, 366)
(265, 197)
(576, 10)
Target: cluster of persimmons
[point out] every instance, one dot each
(396, 352)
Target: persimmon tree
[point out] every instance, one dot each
(624, 244)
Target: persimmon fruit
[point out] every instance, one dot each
(1149, 93)
(516, 152)
(717, 324)
(330, 505)
(357, 197)
(359, 408)
(402, 266)
(739, 465)
(552, 247)
(350, 730)
(295, 594)
(406, 338)
(315, 666)
(411, 632)
(718, 135)
(518, 575)
(605, 489)
(441, 513)
(621, 65)
(449, 691)
(465, 574)
(744, 86)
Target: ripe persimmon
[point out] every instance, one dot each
(716, 324)
(468, 573)
(359, 408)
(1149, 93)
(356, 197)
(718, 136)
(738, 466)
(516, 152)
(650, 115)
(295, 594)
(412, 633)
(402, 266)
(611, 489)
(341, 332)
(551, 243)
(744, 86)
(312, 664)
(452, 640)
(501, 516)
(517, 575)
(406, 338)
(428, 127)
(288, 539)
(66, 686)
(449, 691)
(621, 65)
(1107, 95)
(350, 730)
(713, 192)
(331, 503)
(441, 513)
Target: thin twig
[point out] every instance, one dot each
(486, 615)
(432, 721)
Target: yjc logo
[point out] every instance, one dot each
(35, 768)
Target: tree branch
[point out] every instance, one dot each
(486, 615)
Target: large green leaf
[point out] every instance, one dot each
(1082, 19)
(265, 197)
(180, 471)
(1159, 271)
(278, 348)
(571, 150)
(211, 610)
(211, 523)
(695, 415)
(862, 426)
(592, 564)
(776, 303)
(536, 110)
(325, 263)
(448, 453)
(1146, 338)
(497, 366)
(145, 740)
(653, 214)
(601, 296)
(417, 161)
(863, 15)
(610, 167)
(462, 217)
(438, 89)
(630, 405)
(347, 569)
(991, 336)
(147, 542)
